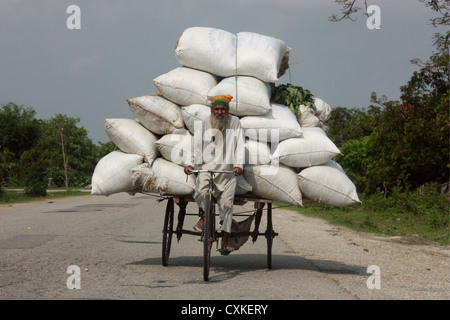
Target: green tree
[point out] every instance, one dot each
(357, 164)
(409, 142)
(32, 170)
(103, 149)
(79, 151)
(19, 130)
(351, 124)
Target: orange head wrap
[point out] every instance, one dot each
(221, 100)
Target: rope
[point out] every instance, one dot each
(236, 70)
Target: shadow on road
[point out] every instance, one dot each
(227, 267)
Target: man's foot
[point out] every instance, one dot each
(199, 225)
(226, 249)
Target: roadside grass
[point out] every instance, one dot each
(13, 195)
(375, 215)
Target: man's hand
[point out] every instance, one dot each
(187, 168)
(238, 171)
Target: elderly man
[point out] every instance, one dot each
(222, 149)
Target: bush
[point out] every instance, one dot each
(426, 202)
(33, 172)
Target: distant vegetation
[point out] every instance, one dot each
(36, 153)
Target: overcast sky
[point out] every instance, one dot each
(124, 44)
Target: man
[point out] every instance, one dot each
(222, 149)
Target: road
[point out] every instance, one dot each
(115, 242)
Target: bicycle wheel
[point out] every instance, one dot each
(208, 237)
(167, 232)
(269, 236)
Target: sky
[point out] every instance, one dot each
(122, 45)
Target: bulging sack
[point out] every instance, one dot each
(113, 173)
(323, 110)
(195, 112)
(131, 137)
(277, 125)
(156, 113)
(186, 86)
(276, 183)
(252, 97)
(242, 186)
(313, 148)
(163, 177)
(307, 117)
(224, 54)
(328, 184)
(176, 147)
(257, 152)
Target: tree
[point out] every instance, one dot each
(33, 172)
(19, 129)
(79, 150)
(351, 124)
(409, 142)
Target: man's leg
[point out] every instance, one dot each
(200, 197)
(225, 204)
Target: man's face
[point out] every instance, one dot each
(220, 112)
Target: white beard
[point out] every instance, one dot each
(220, 125)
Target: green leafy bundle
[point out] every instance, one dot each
(292, 96)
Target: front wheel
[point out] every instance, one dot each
(208, 237)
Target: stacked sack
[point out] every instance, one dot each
(287, 157)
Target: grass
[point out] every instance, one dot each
(374, 215)
(11, 195)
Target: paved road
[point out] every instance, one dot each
(116, 244)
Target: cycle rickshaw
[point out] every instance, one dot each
(209, 234)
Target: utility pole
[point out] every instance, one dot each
(64, 159)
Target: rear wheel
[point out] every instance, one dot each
(269, 235)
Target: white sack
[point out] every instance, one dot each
(313, 148)
(242, 186)
(279, 121)
(131, 137)
(214, 50)
(186, 86)
(276, 183)
(327, 184)
(156, 113)
(257, 152)
(252, 97)
(323, 110)
(113, 173)
(176, 147)
(195, 112)
(307, 117)
(164, 177)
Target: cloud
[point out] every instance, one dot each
(82, 63)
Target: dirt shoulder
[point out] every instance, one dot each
(410, 268)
